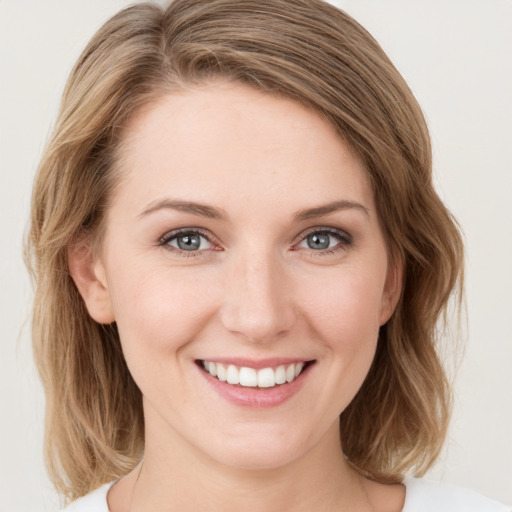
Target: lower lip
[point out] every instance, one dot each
(257, 398)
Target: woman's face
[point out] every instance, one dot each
(243, 237)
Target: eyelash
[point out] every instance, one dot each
(343, 238)
(172, 235)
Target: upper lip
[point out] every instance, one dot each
(257, 364)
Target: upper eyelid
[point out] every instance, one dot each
(324, 229)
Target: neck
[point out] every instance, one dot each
(176, 476)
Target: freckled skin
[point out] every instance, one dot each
(255, 289)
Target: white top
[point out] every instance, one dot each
(421, 496)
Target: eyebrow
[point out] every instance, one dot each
(326, 209)
(200, 209)
(210, 212)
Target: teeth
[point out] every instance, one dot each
(222, 373)
(212, 368)
(266, 378)
(280, 375)
(233, 375)
(250, 377)
(290, 373)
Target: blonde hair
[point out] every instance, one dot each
(313, 53)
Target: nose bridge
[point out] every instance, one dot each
(258, 304)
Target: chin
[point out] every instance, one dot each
(263, 449)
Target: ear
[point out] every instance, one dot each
(88, 273)
(392, 289)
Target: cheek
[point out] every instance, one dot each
(158, 311)
(345, 309)
(343, 315)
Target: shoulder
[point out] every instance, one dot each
(95, 501)
(426, 495)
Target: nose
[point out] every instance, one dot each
(258, 302)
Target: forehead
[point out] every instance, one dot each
(226, 140)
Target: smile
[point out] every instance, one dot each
(251, 377)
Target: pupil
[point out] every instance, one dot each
(318, 241)
(189, 242)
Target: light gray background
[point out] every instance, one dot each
(457, 58)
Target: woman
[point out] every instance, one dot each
(240, 264)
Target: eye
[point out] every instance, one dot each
(189, 241)
(327, 240)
